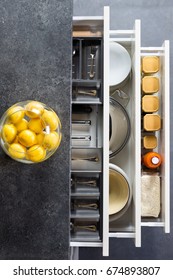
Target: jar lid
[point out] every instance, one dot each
(155, 160)
(150, 64)
(150, 84)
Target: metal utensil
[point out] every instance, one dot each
(92, 54)
(92, 206)
(92, 183)
(94, 158)
(81, 137)
(85, 227)
(75, 51)
(92, 92)
(82, 122)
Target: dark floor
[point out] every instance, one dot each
(156, 24)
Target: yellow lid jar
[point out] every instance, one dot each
(150, 142)
(150, 64)
(150, 103)
(150, 85)
(152, 122)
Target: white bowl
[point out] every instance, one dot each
(120, 64)
(120, 192)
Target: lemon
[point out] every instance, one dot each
(34, 109)
(36, 153)
(17, 150)
(40, 138)
(36, 125)
(15, 114)
(22, 125)
(51, 141)
(9, 132)
(27, 138)
(51, 119)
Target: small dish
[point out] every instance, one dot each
(120, 64)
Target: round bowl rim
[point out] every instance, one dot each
(117, 215)
(129, 62)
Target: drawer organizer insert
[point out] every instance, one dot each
(87, 69)
(87, 141)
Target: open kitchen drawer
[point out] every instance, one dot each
(90, 225)
(162, 136)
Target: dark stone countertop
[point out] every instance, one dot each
(35, 64)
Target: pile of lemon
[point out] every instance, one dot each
(31, 132)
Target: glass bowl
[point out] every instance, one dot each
(120, 127)
(30, 132)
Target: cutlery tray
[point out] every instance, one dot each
(87, 126)
(86, 139)
(87, 68)
(85, 231)
(86, 206)
(85, 185)
(83, 49)
(86, 91)
(91, 47)
(86, 160)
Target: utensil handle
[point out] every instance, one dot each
(84, 122)
(86, 227)
(89, 227)
(95, 158)
(85, 206)
(81, 137)
(92, 92)
(88, 183)
(91, 183)
(91, 74)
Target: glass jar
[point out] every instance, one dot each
(30, 132)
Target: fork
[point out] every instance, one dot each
(92, 54)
